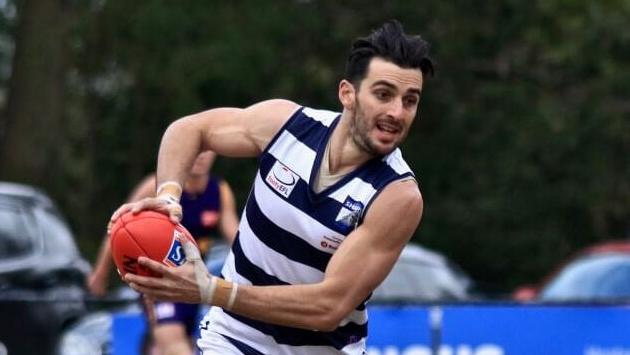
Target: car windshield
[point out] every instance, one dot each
(599, 277)
(57, 237)
(15, 239)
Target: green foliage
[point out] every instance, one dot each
(521, 146)
(527, 101)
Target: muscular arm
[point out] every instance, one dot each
(230, 132)
(360, 264)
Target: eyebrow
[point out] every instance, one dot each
(393, 87)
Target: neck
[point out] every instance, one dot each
(344, 154)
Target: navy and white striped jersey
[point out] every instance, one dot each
(288, 233)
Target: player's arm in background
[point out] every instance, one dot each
(228, 221)
(99, 277)
(361, 263)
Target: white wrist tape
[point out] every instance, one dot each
(169, 199)
(233, 292)
(170, 188)
(207, 283)
(207, 294)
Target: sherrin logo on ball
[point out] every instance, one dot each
(150, 234)
(176, 256)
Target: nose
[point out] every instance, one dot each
(395, 109)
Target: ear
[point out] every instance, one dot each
(347, 94)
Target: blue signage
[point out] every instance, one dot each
(500, 330)
(467, 329)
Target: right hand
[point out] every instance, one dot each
(168, 207)
(188, 283)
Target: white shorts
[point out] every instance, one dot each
(211, 343)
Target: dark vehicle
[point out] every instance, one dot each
(92, 334)
(42, 274)
(599, 273)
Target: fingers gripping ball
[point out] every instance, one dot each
(149, 234)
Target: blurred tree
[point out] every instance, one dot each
(38, 132)
(529, 157)
(521, 146)
(35, 104)
(7, 26)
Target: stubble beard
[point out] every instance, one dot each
(359, 132)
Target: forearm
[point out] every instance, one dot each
(312, 307)
(358, 266)
(180, 145)
(104, 259)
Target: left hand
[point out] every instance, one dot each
(170, 208)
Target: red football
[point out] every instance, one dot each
(150, 234)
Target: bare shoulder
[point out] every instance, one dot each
(401, 194)
(273, 108)
(238, 132)
(397, 210)
(266, 118)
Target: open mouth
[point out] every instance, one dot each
(387, 127)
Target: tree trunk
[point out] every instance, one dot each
(31, 145)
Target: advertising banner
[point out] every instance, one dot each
(499, 330)
(468, 329)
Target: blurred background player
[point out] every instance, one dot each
(209, 208)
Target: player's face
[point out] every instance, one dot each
(203, 163)
(385, 106)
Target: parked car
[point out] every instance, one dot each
(598, 273)
(42, 274)
(423, 275)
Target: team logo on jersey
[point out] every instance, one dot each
(282, 179)
(349, 213)
(176, 256)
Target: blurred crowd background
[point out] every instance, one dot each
(521, 146)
